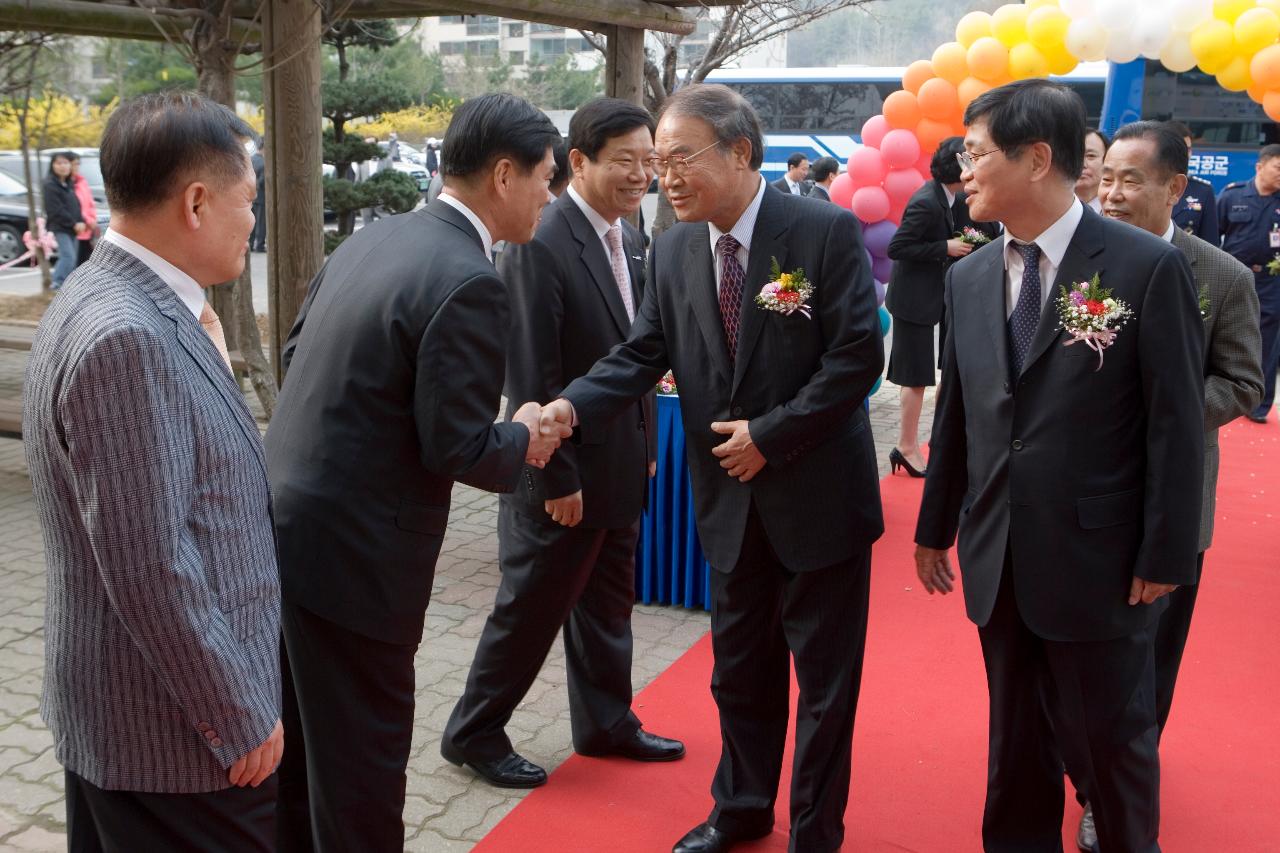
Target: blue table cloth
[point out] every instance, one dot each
(670, 567)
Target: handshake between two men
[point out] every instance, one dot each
(550, 424)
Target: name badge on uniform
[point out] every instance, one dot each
(1275, 238)
(1193, 203)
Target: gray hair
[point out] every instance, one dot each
(730, 115)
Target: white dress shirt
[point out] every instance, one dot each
(951, 197)
(1168, 233)
(189, 292)
(1096, 204)
(1053, 246)
(741, 232)
(485, 237)
(600, 225)
(795, 186)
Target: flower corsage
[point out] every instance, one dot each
(786, 292)
(1089, 313)
(972, 236)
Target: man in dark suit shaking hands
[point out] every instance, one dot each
(567, 534)
(1074, 480)
(397, 367)
(784, 480)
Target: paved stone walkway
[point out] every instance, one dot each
(447, 809)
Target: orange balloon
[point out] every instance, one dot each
(917, 72)
(970, 88)
(901, 110)
(950, 62)
(1271, 104)
(988, 59)
(931, 133)
(937, 99)
(1264, 68)
(1256, 92)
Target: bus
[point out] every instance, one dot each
(820, 111)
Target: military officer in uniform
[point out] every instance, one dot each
(1197, 210)
(1249, 219)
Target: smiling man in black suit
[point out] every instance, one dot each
(567, 535)
(1074, 481)
(785, 486)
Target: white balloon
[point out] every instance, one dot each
(1114, 14)
(1077, 9)
(1122, 47)
(1184, 15)
(1151, 33)
(1087, 40)
(1177, 55)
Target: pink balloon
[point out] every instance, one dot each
(842, 190)
(923, 164)
(900, 149)
(900, 184)
(874, 129)
(866, 167)
(870, 204)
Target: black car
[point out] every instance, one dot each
(13, 216)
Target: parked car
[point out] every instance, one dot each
(13, 209)
(90, 167)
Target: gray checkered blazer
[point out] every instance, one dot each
(162, 620)
(1233, 353)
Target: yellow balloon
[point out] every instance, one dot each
(1256, 29)
(1213, 44)
(988, 60)
(1026, 61)
(1060, 60)
(974, 26)
(1047, 27)
(1040, 4)
(950, 62)
(1229, 10)
(1009, 24)
(1273, 5)
(1235, 77)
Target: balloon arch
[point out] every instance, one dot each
(1234, 40)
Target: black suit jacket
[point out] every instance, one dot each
(800, 381)
(782, 186)
(1088, 477)
(919, 253)
(820, 192)
(396, 371)
(567, 315)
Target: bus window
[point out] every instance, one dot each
(1217, 118)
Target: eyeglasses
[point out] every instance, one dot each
(966, 159)
(678, 164)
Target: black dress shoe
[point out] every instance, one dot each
(1257, 419)
(511, 771)
(897, 459)
(703, 838)
(643, 746)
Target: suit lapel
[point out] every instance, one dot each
(768, 242)
(1078, 264)
(192, 338)
(633, 245)
(991, 280)
(591, 250)
(701, 286)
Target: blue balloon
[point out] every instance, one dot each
(885, 321)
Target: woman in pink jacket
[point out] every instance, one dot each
(87, 238)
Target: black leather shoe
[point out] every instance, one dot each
(703, 838)
(643, 746)
(511, 771)
(1257, 419)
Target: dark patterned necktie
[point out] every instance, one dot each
(1026, 313)
(732, 279)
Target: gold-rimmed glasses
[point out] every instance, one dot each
(966, 159)
(678, 163)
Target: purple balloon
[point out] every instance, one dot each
(882, 268)
(877, 237)
(880, 288)
(870, 260)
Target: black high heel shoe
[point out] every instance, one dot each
(897, 460)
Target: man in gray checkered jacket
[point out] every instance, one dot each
(162, 673)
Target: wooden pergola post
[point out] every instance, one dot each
(624, 64)
(295, 202)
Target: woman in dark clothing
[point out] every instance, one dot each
(923, 247)
(62, 215)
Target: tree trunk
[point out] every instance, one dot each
(215, 67)
(24, 139)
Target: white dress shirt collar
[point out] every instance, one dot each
(741, 231)
(1096, 204)
(598, 222)
(1168, 232)
(1055, 239)
(794, 185)
(950, 196)
(485, 237)
(189, 292)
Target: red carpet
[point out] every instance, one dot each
(919, 753)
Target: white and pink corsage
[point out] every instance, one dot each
(787, 292)
(1089, 313)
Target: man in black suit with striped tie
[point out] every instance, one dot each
(785, 485)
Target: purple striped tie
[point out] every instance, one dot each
(732, 279)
